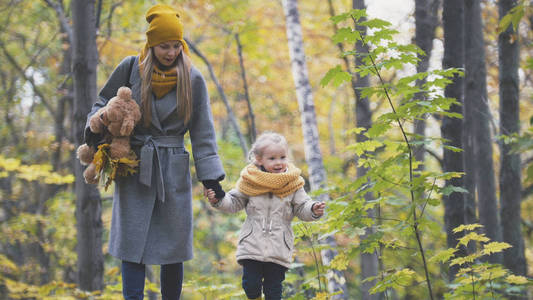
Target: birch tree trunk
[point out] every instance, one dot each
(313, 155)
(451, 128)
(476, 100)
(510, 184)
(88, 203)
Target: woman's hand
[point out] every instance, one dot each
(318, 208)
(210, 194)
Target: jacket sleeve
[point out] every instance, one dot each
(302, 204)
(119, 77)
(232, 202)
(202, 132)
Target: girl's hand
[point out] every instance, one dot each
(318, 208)
(210, 194)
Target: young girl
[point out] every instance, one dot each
(152, 209)
(270, 189)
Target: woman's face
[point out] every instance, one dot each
(167, 52)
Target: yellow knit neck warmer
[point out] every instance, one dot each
(255, 182)
(163, 81)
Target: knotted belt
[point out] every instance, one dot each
(149, 146)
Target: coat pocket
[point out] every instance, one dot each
(245, 233)
(288, 242)
(178, 175)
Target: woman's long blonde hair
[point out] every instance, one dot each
(183, 87)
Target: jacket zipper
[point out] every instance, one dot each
(268, 213)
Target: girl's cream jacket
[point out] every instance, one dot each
(267, 235)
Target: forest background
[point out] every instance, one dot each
(364, 112)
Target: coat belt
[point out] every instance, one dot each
(149, 146)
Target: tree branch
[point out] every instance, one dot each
(220, 90)
(36, 89)
(63, 20)
(253, 131)
(435, 156)
(527, 191)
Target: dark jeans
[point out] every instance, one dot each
(133, 280)
(257, 275)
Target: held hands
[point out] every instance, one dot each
(210, 194)
(215, 186)
(318, 208)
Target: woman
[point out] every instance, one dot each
(152, 209)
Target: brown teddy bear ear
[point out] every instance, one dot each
(124, 93)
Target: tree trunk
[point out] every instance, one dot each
(363, 117)
(451, 128)
(510, 185)
(88, 202)
(426, 21)
(476, 100)
(313, 155)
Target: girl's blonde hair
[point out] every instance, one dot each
(262, 141)
(183, 88)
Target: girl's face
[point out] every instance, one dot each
(274, 158)
(167, 52)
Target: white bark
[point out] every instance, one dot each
(313, 155)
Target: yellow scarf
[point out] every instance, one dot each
(162, 81)
(255, 182)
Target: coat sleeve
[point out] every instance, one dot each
(118, 78)
(232, 202)
(202, 132)
(302, 204)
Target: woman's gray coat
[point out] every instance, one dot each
(152, 218)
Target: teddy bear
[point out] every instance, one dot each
(115, 121)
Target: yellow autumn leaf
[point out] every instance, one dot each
(513, 279)
(112, 271)
(492, 273)
(494, 247)
(9, 164)
(100, 157)
(321, 296)
(463, 260)
(472, 236)
(340, 262)
(443, 256)
(468, 227)
(109, 168)
(7, 266)
(55, 178)
(129, 162)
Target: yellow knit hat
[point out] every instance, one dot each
(164, 25)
